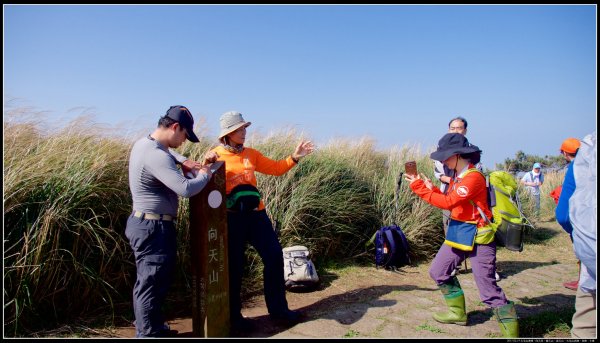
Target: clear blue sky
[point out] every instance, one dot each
(524, 76)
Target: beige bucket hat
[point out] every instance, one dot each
(231, 121)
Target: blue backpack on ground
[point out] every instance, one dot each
(391, 245)
(391, 248)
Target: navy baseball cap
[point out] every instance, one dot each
(184, 117)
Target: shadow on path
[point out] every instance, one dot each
(507, 268)
(345, 308)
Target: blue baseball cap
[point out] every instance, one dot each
(537, 165)
(184, 117)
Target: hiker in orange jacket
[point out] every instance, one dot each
(247, 220)
(468, 234)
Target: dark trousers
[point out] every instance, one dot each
(154, 244)
(254, 227)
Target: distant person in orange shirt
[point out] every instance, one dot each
(247, 220)
(468, 234)
(555, 194)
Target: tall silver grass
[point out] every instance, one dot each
(65, 198)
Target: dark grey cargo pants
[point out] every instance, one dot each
(154, 244)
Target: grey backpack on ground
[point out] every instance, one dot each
(300, 273)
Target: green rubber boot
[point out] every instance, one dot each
(455, 299)
(508, 320)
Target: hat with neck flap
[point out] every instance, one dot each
(231, 121)
(452, 144)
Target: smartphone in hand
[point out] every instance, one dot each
(410, 168)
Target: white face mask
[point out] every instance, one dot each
(535, 173)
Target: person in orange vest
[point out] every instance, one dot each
(568, 149)
(247, 220)
(468, 234)
(444, 175)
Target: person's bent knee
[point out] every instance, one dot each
(437, 275)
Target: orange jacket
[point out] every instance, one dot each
(240, 168)
(460, 191)
(555, 194)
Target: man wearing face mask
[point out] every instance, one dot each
(533, 180)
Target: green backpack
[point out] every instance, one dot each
(507, 219)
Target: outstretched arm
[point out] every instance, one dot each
(268, 166)
(304, 148)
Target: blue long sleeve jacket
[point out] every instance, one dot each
(562, 209)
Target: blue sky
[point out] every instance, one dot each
(524, 76)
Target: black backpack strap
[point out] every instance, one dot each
(404, 244)
(390, 237)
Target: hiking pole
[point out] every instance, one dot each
(398, 190)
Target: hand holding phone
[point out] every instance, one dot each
(410, 168)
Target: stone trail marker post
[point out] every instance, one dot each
(210, 269)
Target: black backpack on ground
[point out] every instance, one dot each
(391, 248)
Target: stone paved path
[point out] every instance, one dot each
(404, 309)
(375, 303)
(400, 305)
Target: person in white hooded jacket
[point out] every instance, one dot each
(582, 214)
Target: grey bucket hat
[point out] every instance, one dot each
(231, 121)
(451, 144)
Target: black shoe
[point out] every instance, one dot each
(241, 323)
(287, 316)
(167, 333)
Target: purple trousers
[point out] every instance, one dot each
(483, 264)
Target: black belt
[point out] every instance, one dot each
(153, 216)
